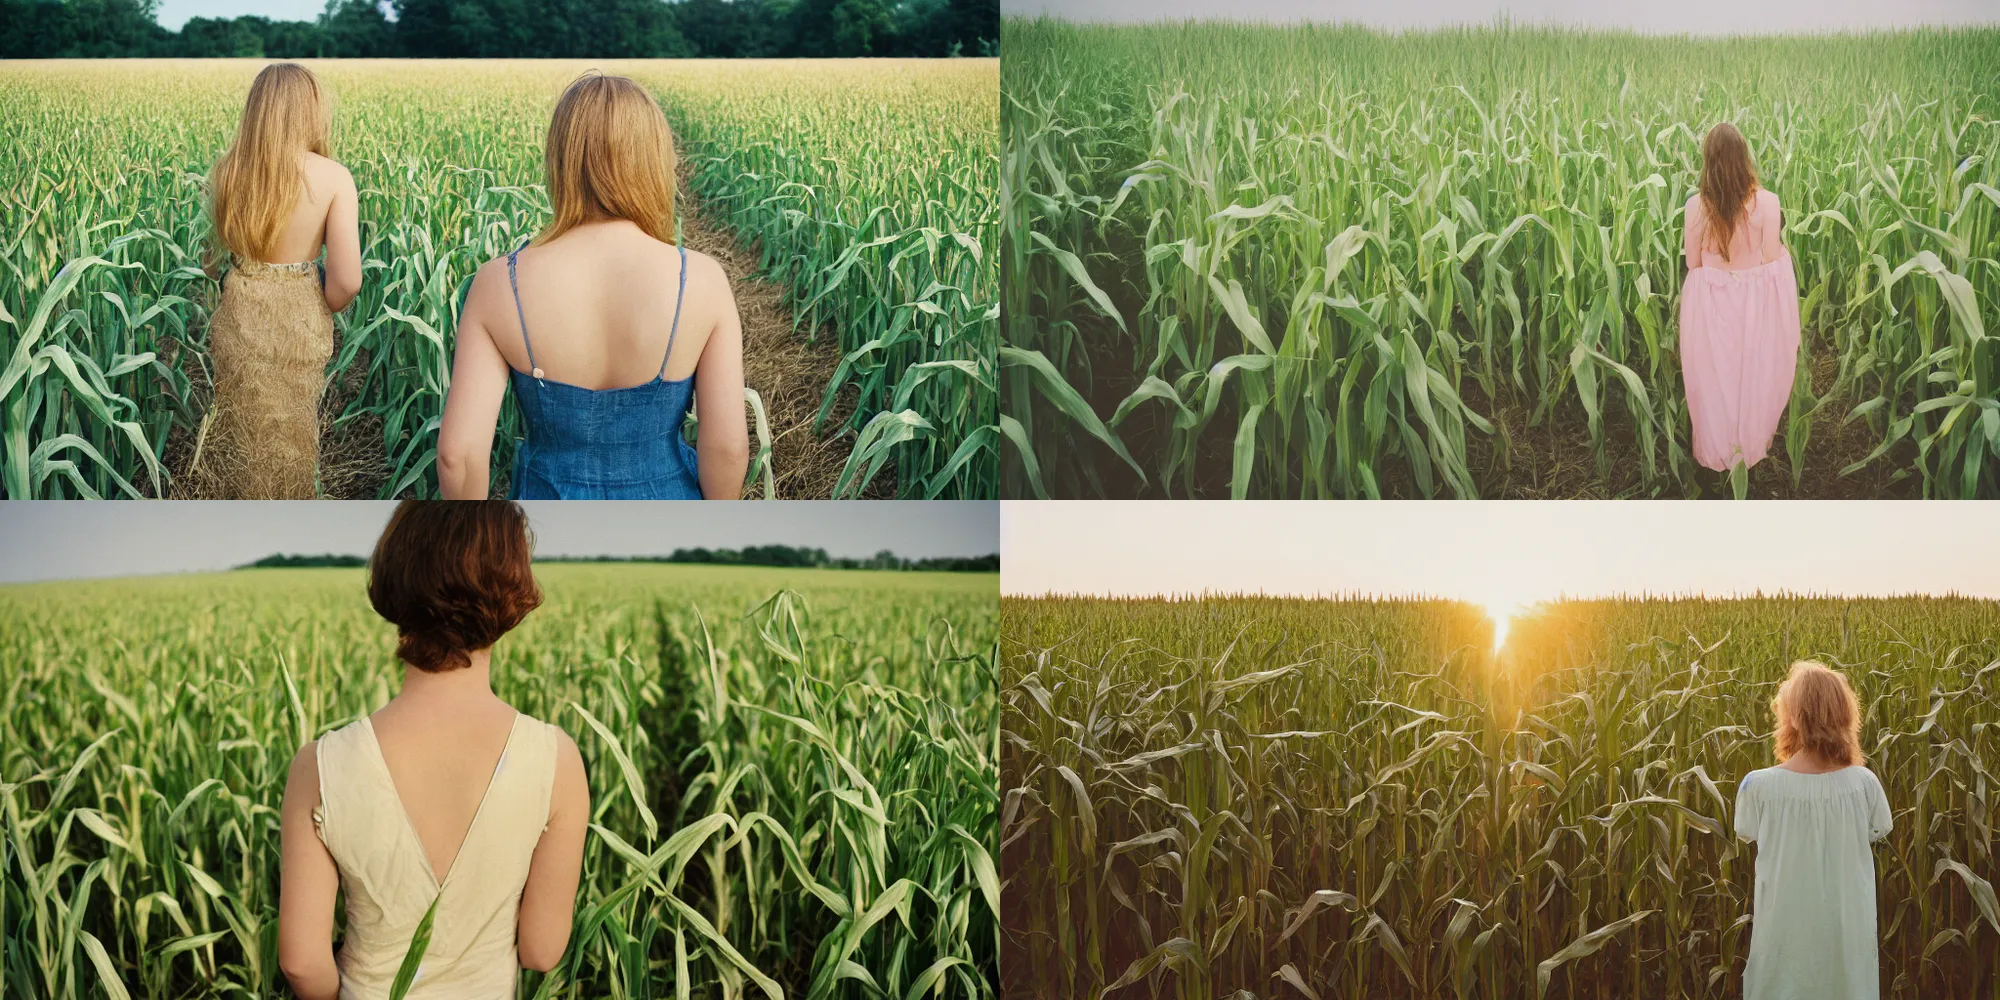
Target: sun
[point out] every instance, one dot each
(1503, 613)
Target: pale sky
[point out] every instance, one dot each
(1704, 17)
(55, 539)
(174, 13)
(1499, 552)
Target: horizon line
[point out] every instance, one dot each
(1369, 597)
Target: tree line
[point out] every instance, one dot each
(755, 555)
(589, 29)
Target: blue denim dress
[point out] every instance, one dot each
(602, 444)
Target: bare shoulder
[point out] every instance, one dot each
(328, 174)
(1694, 209)
(706, 272)
(566, 751)
(1768, 199)
(304, 773)
(488, 282)
(570, 774)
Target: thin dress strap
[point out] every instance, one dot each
(515, 284)
(674, 330)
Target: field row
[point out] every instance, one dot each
(792, 789)
(1324, 262)
(1365, 799)
(869, 188)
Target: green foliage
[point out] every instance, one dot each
(1316, 261)
(792, 775)
(600, 29)
(1298, 797)
(868, 185)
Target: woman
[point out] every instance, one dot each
(446, 794)
(606, 328)
(1739, 309)
(275, 199)
(1812, 931)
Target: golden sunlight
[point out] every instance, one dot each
(1503, 614)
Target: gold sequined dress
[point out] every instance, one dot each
(270, 341)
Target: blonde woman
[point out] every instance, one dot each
(606, 329)
(1813, 817)
(1739, 309)
(275, 200)
(446, 795)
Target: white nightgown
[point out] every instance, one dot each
(1812, 930)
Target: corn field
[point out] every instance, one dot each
(867, 185)
(1281, 798)
(792, 775)
(1316, 261)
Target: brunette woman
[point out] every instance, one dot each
(446, 795)
(1739, 309)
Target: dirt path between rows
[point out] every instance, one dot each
(789, 370)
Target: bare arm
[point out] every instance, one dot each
(307, 884)
(343, 244)
(722, 440)
(548, 901)
(472, 404)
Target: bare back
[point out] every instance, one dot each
(600, 304)
(442, 764)
(306, 230)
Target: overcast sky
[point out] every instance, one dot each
(1500, 551)
(1673, 16)
(70, 538)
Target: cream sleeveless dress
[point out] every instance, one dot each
(388, 880)
(1812, 925)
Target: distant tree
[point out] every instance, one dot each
(356, 29)
(862, 28)
(515, 28)
(210, 38)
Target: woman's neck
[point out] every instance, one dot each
(1807, 762)
(462, 686)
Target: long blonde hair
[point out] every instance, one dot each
(256, 184)
(1727, 178)
(1817, 711)
(610, 154)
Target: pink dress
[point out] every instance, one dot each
(1739, 334)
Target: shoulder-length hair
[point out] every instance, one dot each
(1817, 712)
(257, 182)
(453, 577)
(609, 155)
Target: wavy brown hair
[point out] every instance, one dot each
(1818, 712)
(255, 185)
(452, 576)
(1727, 179)
(609, 155)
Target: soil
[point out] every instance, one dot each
(790, 370)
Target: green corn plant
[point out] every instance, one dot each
(792, 775)
(877, 220)
(1276, 797)
(1319, 261)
